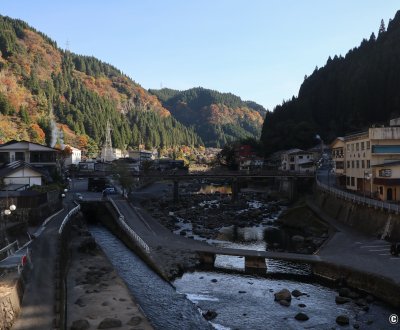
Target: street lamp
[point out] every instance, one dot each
(7, 212)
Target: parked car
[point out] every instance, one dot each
(78, 196)
(109, 191)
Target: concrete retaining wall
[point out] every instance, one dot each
(378, 286)
(366, 219)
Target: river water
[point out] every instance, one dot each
(165, 307)
(241, 301)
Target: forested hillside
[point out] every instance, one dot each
(347, 94)
(40, 82)
(217, 118)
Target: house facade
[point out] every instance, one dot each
(370, 161)
(19, 173)
(31, 153)
(297, 160)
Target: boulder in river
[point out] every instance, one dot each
(210, 314)
(342, 300)
(342, 320)
(301, 317)
(297, 293)
(283, 294)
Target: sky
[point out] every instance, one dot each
(259, 50)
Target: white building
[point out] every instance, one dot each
(142, 155)
(75, 157)
(297, 160)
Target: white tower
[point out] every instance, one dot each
(107, 150)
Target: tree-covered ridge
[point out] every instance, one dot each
(39, 82)
(217, 117)
(347, 94)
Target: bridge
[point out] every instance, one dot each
(288, 180)
(148, 232)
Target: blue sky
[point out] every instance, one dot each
(259, 50)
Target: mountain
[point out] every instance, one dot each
(216, 117)
(44, 89)
(348, 94)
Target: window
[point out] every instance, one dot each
(358, 164)
(357, 146)
(368, 163)
(385, 173)
(20, 156)
(348, 164)
(347, 180)
(368, 145)
(300, 157)
(362, 145)
(352, 147)
(348, 147)
(352, 181)
(352, 164)
(363, 163)
(381, 190)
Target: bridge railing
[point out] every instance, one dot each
(121, 221)
(358, 199)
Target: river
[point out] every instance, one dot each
(241, 301)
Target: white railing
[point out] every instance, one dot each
(359, 199)
(10, 248)
(128, 229)
(68, 216)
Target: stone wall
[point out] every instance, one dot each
(369, 220)
(10, 299)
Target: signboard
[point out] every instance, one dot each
(386, 173)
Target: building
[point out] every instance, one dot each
(247, 158)
(115, 153)
(19, 175)
(297, 160)
(31, 153)
(143, 155)
(75, 157)
(370, 161)
(338, 161)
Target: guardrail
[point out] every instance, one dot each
(359, 199)
(68, 216)
(128, 229)
(9, 249)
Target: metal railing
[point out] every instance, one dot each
(9, 250)
(68, 216)
(377, 204)
(127, 228)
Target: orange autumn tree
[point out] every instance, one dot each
(63, 154)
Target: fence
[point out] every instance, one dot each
(377, 204)
(128, 229)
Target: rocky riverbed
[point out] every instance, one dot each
(210, 216)
(97, 297)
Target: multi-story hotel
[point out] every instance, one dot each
(369, 161)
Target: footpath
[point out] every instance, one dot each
(352, 249)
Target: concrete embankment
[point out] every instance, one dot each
(368, 220)
(356, 254)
